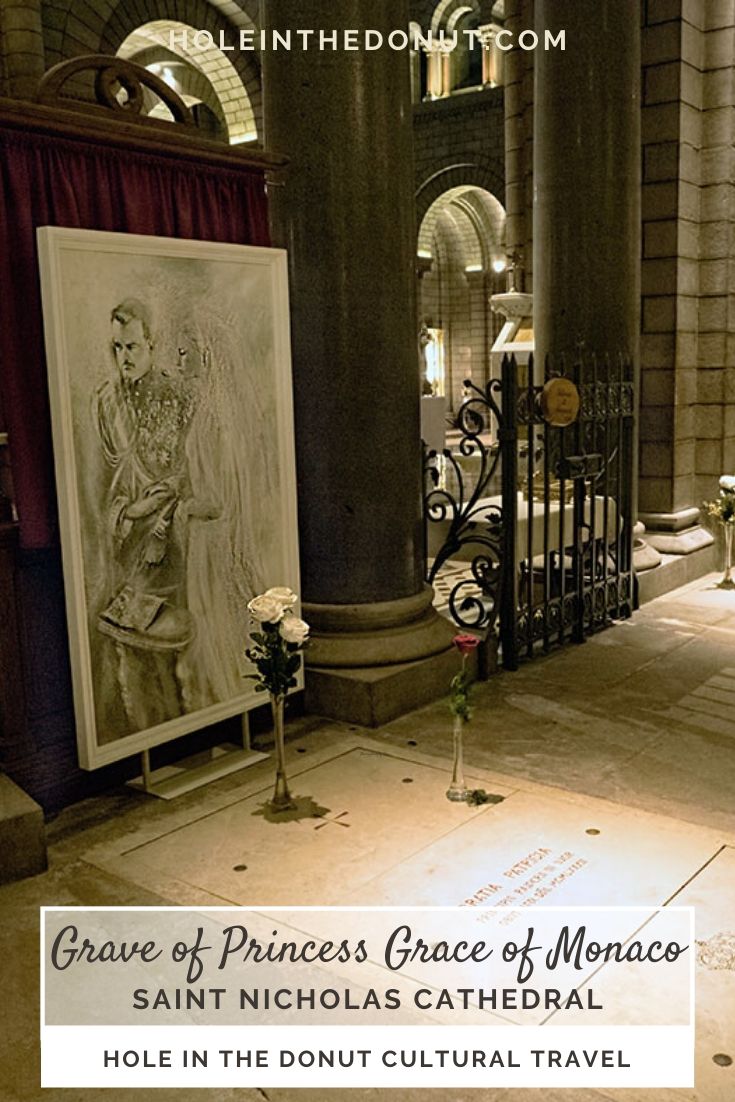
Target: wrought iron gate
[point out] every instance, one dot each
(529, 526)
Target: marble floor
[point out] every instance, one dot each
(619, 753)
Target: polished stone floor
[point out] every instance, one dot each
(629, 735)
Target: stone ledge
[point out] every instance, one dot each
(684, 542)
(22, 833)
(670, 522)
(675, 571)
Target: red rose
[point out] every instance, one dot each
(465, 644)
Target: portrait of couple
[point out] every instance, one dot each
(170, 388)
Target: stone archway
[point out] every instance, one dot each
(479, 174)
(173, 38)
(461, 260)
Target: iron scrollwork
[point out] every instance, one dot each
(544, 533)
(473, 521)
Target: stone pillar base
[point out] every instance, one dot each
(676, 571)
(677, 533)
(375, 695)
(22, 833)
(369, 663)
(645, 557)
(381, 634)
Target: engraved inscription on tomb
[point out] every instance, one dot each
(525, 883)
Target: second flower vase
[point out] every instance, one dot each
(727, 582)
(457, 790)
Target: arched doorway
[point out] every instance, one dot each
(461, 262)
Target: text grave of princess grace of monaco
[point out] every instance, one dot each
(402, 997)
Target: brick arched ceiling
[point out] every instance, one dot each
(211, 61)
(474, 216)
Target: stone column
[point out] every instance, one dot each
(587, 179)
(346, 216)
(21, 49)
(437, 73)
(586, 252)
(518, 100)
(688, 209)
(492, 57)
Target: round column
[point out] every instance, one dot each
(345, 213)
(586, 239)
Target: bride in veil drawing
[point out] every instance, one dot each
(222, 569)
(181, 547)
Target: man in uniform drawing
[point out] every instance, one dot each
(142, 415)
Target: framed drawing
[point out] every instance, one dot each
(170, 384)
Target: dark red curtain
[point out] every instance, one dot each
(46, 181)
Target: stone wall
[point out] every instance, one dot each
(688, 338)
(21, 47)
(459, 140)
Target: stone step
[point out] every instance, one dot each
(22, 833)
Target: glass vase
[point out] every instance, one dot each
(281, 795)
(457, 789)
(727, 581)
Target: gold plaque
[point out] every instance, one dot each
(560, 402)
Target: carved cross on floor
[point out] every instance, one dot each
(336, 820)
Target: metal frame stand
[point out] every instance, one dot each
(197, 770)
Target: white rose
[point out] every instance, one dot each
(294, 630)
(281, 593)
(265, 609)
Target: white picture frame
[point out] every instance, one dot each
(169, 376)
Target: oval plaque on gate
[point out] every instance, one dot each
(560, 402)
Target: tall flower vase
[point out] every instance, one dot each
(727, 581)
(457, 789)
(282, 799)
